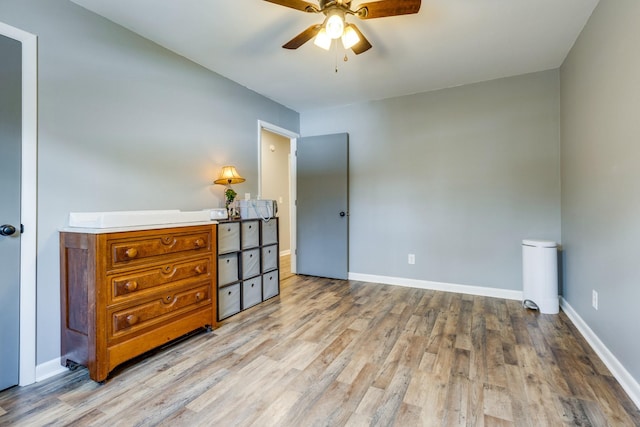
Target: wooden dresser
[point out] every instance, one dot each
(124, 293)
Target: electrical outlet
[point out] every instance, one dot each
(594, 299)
(412, 258)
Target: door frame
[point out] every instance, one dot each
(28, 200)
(293, 137)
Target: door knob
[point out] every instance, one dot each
(7, 230)
(342, 213)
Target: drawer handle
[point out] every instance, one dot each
(167, 240)
(132, 319)
(199, 269)
(167, 268)
(228, 261)
(253, 284)
(198, 296)
(131, 286)
(199, 243)
(167, 298)
(131, 253)
(229, 293)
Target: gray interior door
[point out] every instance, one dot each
(323, 205)
(10, 161)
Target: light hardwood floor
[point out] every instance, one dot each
(332, 353)
(285, 267)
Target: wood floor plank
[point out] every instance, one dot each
(457, 401)
(497, 402)
(520, 406)
(537, 391)
(433, 405)
(496, 374)
(333, 353)
(389, 405)
(408, 415)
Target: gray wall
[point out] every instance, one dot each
(458, 177)
(124, 125)
(601, 177)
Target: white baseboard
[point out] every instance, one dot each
(49, 369)
(628, 383)
(285, 252)
(439, 286)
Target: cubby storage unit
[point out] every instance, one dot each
(248, 263)
(124, 293)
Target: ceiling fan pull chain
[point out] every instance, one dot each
(336, 45)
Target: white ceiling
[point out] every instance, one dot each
(448, 43)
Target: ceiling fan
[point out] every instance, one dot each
(335, 25)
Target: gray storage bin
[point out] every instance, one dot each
(251, 292)
(269, 232)
(228, 237)
(269, 258)
(250, 263)
(250, 234)
(227, 269)
(270, 286)
(228, 301)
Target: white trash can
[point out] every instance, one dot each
(540, 276)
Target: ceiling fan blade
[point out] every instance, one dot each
(304, 6)
(363, 45)
(303, 37)
(382, 8)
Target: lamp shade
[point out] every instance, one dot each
(350, 37)
(229, 175)
(323, 40)
(335, 26)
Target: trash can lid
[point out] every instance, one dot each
(539, 243)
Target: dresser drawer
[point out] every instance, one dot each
(137, 283)
(124, 252)
(250, 234)
(228, 301)
(269, 258)
(270, 284)
(228, 237)
(250, 263)
(227, 269)
(167, 305)
(269, 232)
(251, 292)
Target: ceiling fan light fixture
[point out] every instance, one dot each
(335, 26)
(350, 37)
(322, 39)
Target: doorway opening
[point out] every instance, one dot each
(277, 180)
(28, 201)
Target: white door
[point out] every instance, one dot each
(10, 170)
(323, 205)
